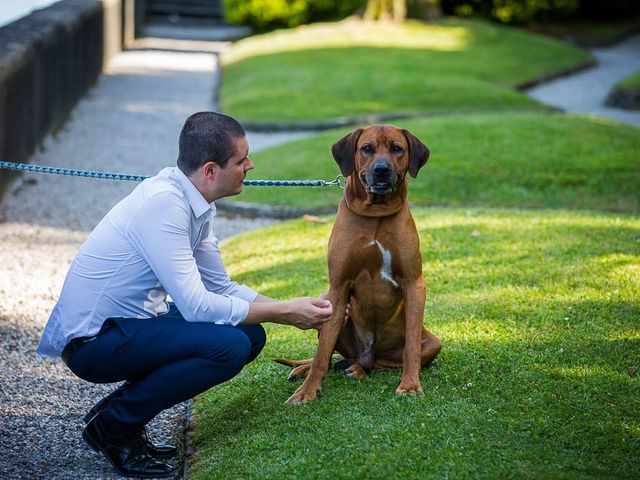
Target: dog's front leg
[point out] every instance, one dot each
(415, 297)
(328, 337)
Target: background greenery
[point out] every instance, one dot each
(523, 11)
(538, 314)
(265, 14)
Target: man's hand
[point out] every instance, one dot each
(302, 312)
(308, 312)
(347, 310)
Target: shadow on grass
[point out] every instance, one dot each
(504, 254)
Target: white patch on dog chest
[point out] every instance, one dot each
(385, 271)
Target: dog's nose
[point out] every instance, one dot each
(381, 168)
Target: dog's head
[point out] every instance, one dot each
(380, 156)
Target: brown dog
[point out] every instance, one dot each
(375, 263)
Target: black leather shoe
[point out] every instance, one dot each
(127, 453)
(158, 451)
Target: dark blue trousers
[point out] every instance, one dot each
(163, 361)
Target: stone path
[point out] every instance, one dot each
(586, 91)
(129, 122)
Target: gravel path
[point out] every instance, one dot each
(129, 122)
(586, 91)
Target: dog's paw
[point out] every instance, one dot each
(303, 395)
(299, 373)
(409, 388)
(356, 372)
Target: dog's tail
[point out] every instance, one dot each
(293, 363)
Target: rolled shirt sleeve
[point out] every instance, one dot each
(166, 244)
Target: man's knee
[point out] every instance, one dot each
(233, 346)
(236, 351)
(258, 338)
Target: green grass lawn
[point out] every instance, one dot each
(523, 159)
(539, 320)
(349, 68)
(632, 81)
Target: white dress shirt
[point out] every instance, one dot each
(155, 242)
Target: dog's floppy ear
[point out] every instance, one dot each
(418, 153)
(344, 152)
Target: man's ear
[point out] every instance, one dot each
(344, 152)
(210, 169)
(418, 153)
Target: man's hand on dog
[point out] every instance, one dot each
(347, 310)
(302, 312)
(308, 312)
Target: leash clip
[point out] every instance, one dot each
(340, 181)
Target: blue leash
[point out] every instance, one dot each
(138, 178)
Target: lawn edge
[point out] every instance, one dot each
(254, 210)
(563, 72)
(257, 210)
(188, 448)
(320, 125)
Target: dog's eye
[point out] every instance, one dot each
(396, 149)
(366, 149)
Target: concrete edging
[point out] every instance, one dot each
(272, 211)
(565, 72)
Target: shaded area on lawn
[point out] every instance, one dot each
(538, 315)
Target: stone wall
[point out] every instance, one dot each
(48, 61)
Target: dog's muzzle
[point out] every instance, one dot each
(380, 178)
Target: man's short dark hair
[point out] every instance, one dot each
(207, 137)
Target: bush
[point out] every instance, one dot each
(613, 10)
(332, 9)
(511, 11)
(266, 14)
(523, 11)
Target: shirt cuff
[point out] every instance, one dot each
(245, 293)
(239, 310)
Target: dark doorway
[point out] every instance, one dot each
(211, 9)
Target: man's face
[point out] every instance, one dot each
(229, 179)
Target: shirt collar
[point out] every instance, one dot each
(198, 203)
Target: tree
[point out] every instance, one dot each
(396, 10)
